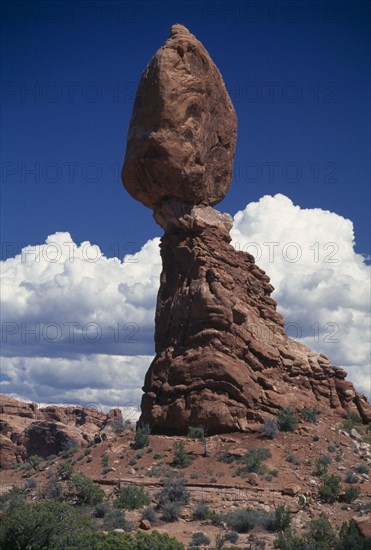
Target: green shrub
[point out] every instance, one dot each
(361, 469)
(316, 437)
(253, 461)
(330, 488)
(287, 420)
(201, 511)
(101, 510)
(106, 470)
(89, 459)
(80, 457)
(84, 490)
(35, 461)
(350, 494)
(12, 499)
(331, 447)
(241, 520)
(65, 470)
(270, 428)
(116, 520)
(322, 464)
(182, 459)
(87, 452)
(52, 490)
(196, 433)
(200, 539)
(170, 511)
(282, 518)
(104, 459)
(293, 460)
(150, 513)
(350, 477)
(38, 526)
(227, 458)
(132, 497)
(142, 436)
(156, 541)
(351, 539)
(310, 415)
(352, 420)
(173, 490)
(232, 537)
(117, 425)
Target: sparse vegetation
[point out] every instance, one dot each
(361, 469)
(150, 514)
(115, 519)
(310, 415)
(253, 460)
(322, 464)
(64, 470)
(35, 461)
(142, 437)
(196, 433)
(132, 497)
(287, 420)
(350, 477)
(101, 510)
(172, 498)
(118, 425)
(350, 494)
(104, 460)
(84, 491)
(200, 539)
(351, 421)
(330, 488)
(201, 511)
(182, 459)
(293, 460)
(270, 428)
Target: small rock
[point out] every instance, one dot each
(132, 471)
(341, 468)
(355, 435)
(145, 524)
(253, 479)
(291, 490)
(313, 482)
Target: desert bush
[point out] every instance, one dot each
(52, 490)
(101, 510)
(170, 511)
(316, 437)
(310, 415)
(282, 518)
(89, 459)
(116, 520)
(361, 469)
(352, 420)
(84, 491)
(196, 433)
(173, 490)
(293, 460)
(232, 537)
(350, 477)
(182, 459)
(35, 461)
(150, 513)
(201, 511)
(42, 525)
(350, 494)
(287, 420)
(330, 488)
(227, 458)
(270, 428)
(107, 470)
(253, 461)
(132, 461)
(65, 470)
(351, 539)
(131, 497)
(104, 459)
(322, 464)
(142, 437)
(12, 499)
(200, 539)
(241, 520)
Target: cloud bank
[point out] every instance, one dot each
(77, 327)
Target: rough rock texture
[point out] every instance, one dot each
(223, 358)
(26, 429)
(182, 133)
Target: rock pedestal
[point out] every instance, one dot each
(223, 358)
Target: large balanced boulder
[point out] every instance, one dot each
(223, 358)
(183, 129)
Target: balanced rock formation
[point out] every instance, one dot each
(27, 429)
(223, 358)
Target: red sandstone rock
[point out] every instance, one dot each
(223, 359)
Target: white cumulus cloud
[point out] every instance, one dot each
(78, 327)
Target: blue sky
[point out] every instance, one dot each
(297, 72)
(298, 75)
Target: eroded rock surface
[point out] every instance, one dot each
(26, 429)
(223, 359)
(182, 133)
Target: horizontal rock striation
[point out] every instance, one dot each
(223, 358)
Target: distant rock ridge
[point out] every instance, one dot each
(27, 429)
(223, 358)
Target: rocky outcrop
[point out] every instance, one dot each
(223, 358)
(26, 429)
(182, 132)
